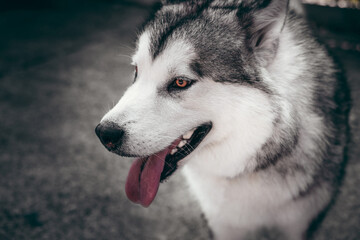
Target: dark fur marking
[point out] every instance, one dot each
(178, 21)
(160, 44)
(290, 169)
(273, 151)
(210, 232)
(278, 146)
(196, 68)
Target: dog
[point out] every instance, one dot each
(242, 97)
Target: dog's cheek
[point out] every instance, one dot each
(241, 125)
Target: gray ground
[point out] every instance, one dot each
(61, 69)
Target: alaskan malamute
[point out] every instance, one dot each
(240, 95)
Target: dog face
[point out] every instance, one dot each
(201, 93)
(155, 111)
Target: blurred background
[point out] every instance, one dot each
(63, 64)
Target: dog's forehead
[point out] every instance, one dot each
(175, 58)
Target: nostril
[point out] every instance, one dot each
(109, 135)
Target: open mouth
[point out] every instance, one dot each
(189, 141)
(146, 173)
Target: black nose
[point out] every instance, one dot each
(110, 135)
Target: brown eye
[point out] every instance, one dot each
(181, 83)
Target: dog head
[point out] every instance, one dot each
(200, 93)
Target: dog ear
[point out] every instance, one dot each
(264, 20)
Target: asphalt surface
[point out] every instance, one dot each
(61, 69)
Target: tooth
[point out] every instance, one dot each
(188, 134)
(182, 143)
(173, 151)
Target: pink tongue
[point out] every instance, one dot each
(142, 185)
